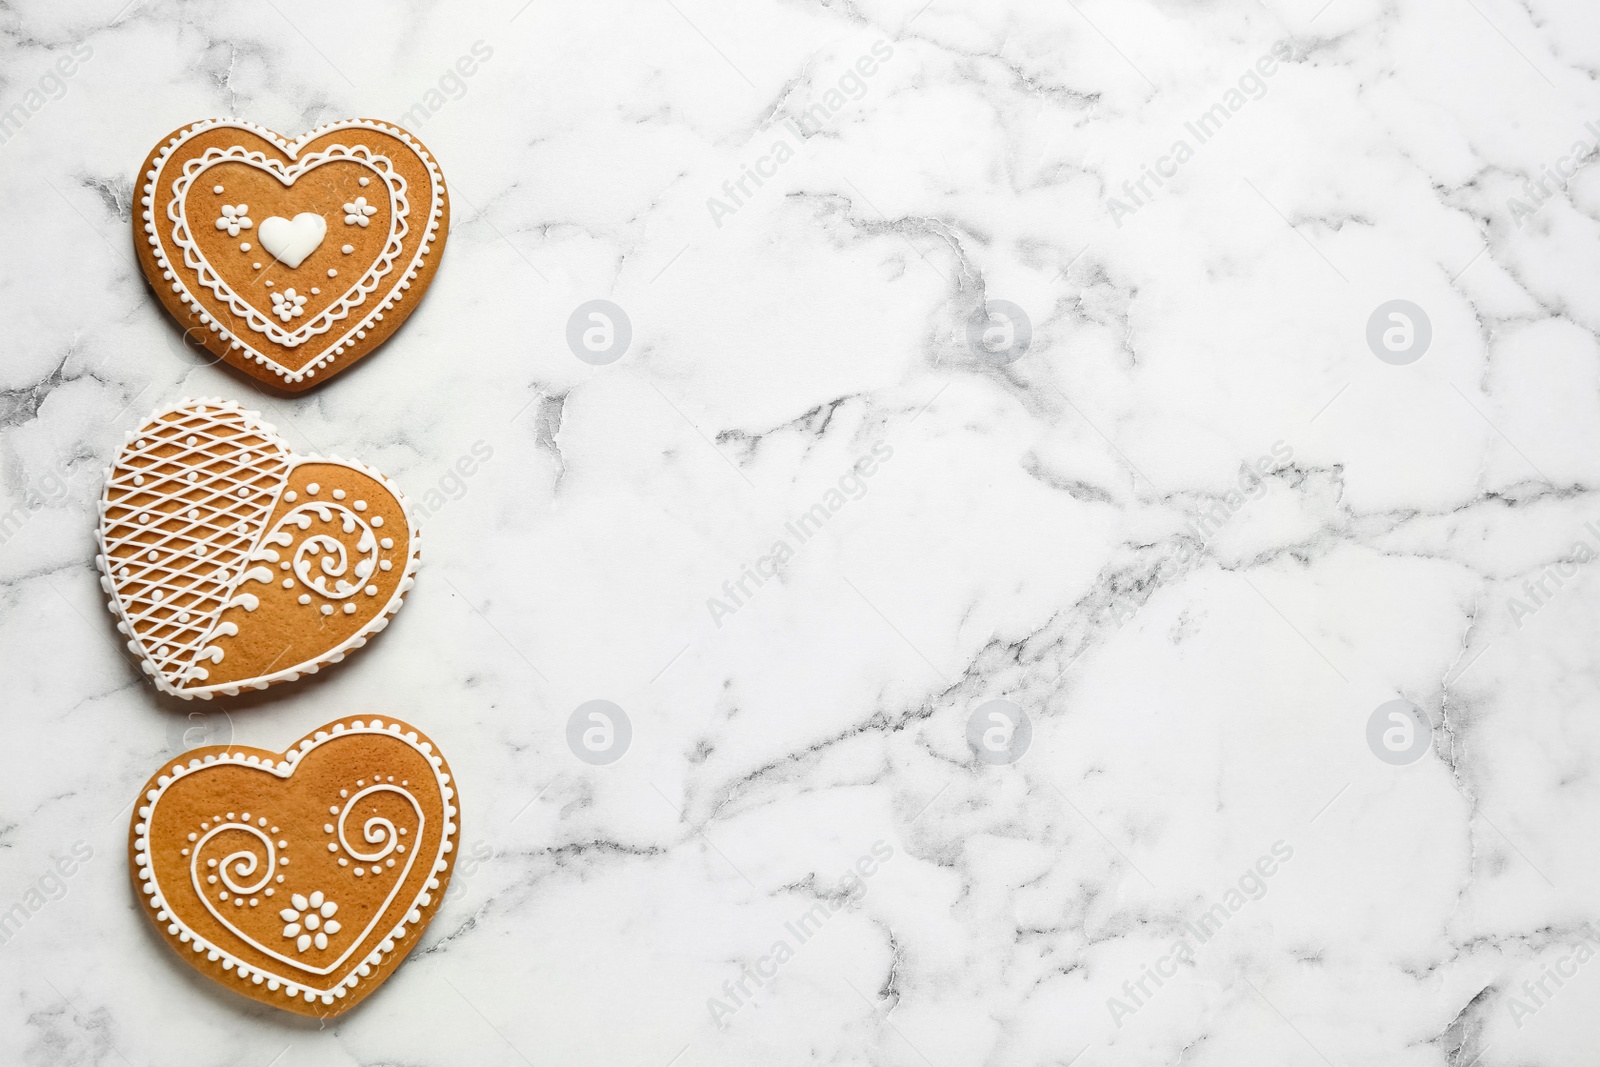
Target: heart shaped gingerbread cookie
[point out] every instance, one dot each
(233, 563)
(300, 879)
(290, 259)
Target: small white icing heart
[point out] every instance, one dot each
(291, 240)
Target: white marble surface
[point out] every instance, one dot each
(1021, 543)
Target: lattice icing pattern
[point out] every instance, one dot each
(183, 509)
(234, 563)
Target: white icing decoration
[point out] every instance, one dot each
(347, 249)
(291, 240)
(183, 532)
(359, 213)
(286, 173)
(287, 304)
(251, 856)
(235, 217)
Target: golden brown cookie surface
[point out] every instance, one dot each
(233, 563)
(299, 879)
(290, 259)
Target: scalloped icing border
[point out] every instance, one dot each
(353, 297)
(284, 769)
(377, 624)
(335, 348)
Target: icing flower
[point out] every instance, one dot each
(359, 213)
(288, 304)
(310, 914)
(235, 218)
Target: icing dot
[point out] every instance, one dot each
(193, 837)
(349, 609)
(290, 496)
(270, 284)
(359, 873)
(315, 290)
(327, 828)
(335, 809)
(313, 489)
(363, 182)
(343, 793)
(344, 862)
(327, 609)
(332, 273)
(244, 246)
(288, 583)
(384, 565)
(332, 847)
(216, 188)
(284, 565)
(347, 249)
(191, 441)
(305, 598)
(371, 590)
(361, 505)
(255, 266)
(377, 520)
(387, 542)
